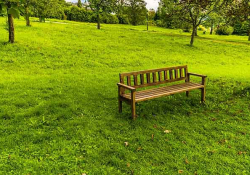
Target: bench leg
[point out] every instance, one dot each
(187, 93)
(133, 105)
(203, 95)
(120, 105)
(133, 110)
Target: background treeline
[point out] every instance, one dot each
(223, 17)
(74, 13)
(109, 11)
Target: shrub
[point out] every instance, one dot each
(109, 19)
(187, 28)
(241, 28)
(123, 19)
(202, 28)
(159, 23)
(224, 30)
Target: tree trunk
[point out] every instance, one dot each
(11, 29)
(212, 29)
(249, 31)
(27, 17)
(147, 21)
(249, 35)
(196, 34)
(193, 34)
(98, 18)
(41, 19)
(98, 21)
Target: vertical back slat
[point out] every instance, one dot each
(142, 78)
(154, 77)
(148, 77)
(176, 73)
(165, 75)
(135, 80)
(121, 79)
(129, 80)
(181, 73)
(160, 76)
(186, 72)
(171, 74)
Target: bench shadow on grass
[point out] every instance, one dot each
(164, 107)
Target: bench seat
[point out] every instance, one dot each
(163, 91)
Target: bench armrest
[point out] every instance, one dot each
(198, 75)
(126, 87)
(203, 82)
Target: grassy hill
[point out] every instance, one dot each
(59, 113)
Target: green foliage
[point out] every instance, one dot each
(137, 12)
(75, 13)
(10, 7)
(49, 9)
(123, 19)
(224, 30)
(79, 3)
(14, 11)
(241, 28)
(58, 102)
(109, 19)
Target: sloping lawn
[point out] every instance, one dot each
(59, 110)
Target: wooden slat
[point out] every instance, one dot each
(128, 80)
(159, 76)
(154, 77)
(165, 75)
(171, 74)
(121, 79)
(176, 73)
(181, 72)
(135, 80)
(186, 72)
(148, 77)
(142, 79)
(122, 90)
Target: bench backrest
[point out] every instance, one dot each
(154, 77)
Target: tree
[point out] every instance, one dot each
(27, 4)
(79, 3)
(12, 11)
(168, 18)
(240, 9)
(120, 10)
(194, 12)
(137, 11)
(49, 9)
(213, 19)
(101, 6)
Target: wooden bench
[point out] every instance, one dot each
(133, 80)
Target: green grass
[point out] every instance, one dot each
(59, 113)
